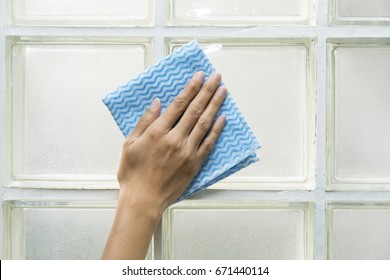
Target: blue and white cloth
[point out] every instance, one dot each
(235, 148)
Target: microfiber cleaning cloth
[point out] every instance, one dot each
(235, 148)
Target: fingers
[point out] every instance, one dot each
(203, 124)
(198, 105)
(176, 109)
(208, 143)
(150, 115)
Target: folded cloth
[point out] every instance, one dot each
(235, 148)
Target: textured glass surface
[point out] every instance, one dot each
(360, 11)
(358, 231)
(237, 230)
(271, 82)
(239, 12)
(60, 128)
(359, 101)
(46, 230)
(82, 12)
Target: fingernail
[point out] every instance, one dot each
(155, 104)
(199, 76)
(222, 119)
(222, 92)
(216, 77)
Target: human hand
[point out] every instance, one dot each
(159, 159)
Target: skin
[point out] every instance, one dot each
(159, 160)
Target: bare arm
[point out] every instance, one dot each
(159, 161)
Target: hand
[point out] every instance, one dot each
(159, 159)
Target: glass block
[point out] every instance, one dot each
(358, 231)
(60, 131)
(273, 84)
(238, 230)
(239, 12)
(81, 13)
(57, 230)
(359, 12)
(358, 101)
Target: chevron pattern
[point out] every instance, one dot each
(234, 150)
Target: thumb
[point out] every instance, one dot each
(150, 115)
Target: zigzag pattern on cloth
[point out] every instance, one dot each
(235, 148)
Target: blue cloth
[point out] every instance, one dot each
(235, 148)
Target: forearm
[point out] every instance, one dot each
(132, 230)
(159, 159)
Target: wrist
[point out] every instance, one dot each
(132, 230)
(149, 209)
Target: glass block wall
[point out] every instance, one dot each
(310, 76)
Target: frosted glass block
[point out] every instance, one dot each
(273, 84)
(81, 12)
(238, 230)
(50, 230)
(359, 11)
(358, 115)
(240, 12)
(358, 231)
(60, 129)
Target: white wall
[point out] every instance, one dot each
(322, 31)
